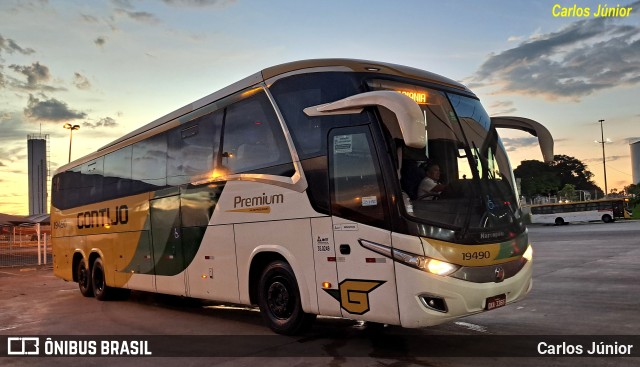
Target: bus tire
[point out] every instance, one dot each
(101, 291)
(85, 283)
(559, 221)
(607, 218)
(279, 300)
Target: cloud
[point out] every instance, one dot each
(199, 3)
(81, 81)
(10, 46)
(100, 41)
(50, 110)
(35, 73)
(103, 122)
(513, 144)
(610, 158)
(123, 3)
(582, 58)
(502, 108)
(10, 155)
(140, 16)
(89, 18)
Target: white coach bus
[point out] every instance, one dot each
(296, 189)
(606, 210)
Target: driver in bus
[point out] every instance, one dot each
(430, 186)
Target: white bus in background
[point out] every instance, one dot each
(606, 210)
(295, 189)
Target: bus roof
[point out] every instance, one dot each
(274, 72)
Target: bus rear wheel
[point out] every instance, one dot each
(559, 221)
(85, 282)
(607, 218)
(279, 300)
(101, 291)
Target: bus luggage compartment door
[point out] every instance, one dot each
(166, 234)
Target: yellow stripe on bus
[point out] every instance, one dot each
(475, 255)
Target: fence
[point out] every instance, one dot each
(25, 245)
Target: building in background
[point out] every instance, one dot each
(38, 157)
(634, 144)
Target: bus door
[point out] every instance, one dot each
(166, 235)
(367, 288)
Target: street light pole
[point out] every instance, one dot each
(604, 162)
(71, 128)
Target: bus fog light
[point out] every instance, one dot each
(528, 254)
(434, 303)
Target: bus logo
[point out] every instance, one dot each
(353, 294)
(19, 346)
(499, 274)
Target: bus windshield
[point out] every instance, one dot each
(474, 188)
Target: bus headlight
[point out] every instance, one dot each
(529, 253)
(426, 264)
(433, 266)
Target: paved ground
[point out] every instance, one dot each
(585, 283)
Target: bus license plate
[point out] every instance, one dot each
(496, 301)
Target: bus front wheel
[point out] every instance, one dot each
(279, 300)
(85, 282)
(607, 218)
(559, 221)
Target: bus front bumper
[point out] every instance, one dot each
(425, 299)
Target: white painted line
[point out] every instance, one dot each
(8, 328)
(17, 275)
(473, 327)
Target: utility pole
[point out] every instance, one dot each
(604, 162)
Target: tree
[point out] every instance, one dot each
(573, 171)
(568, 192)
(632, 189)
(539, 178)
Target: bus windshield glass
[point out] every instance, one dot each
(462, 179)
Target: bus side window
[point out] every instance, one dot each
(253, 139)
(193, 149)
(356, 182)
(149, 164)
(117, 174)
(66, 194)
(91, 181)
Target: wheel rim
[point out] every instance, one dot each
(83, 278)
(279, 299)
(98, 280)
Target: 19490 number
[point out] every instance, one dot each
(478, 255)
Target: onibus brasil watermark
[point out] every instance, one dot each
(33, 346)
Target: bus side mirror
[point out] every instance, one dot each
(410, 125)
(545, 140)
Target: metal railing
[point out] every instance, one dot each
(25, 245)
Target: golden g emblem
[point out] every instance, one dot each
(353, 294)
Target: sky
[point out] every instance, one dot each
(113, 66)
